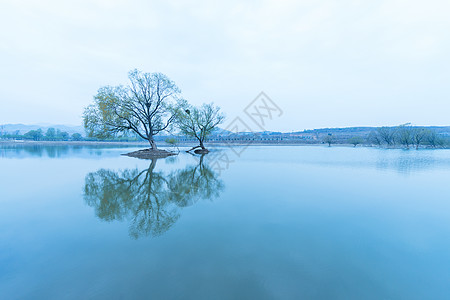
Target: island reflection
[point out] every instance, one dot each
(150, 201)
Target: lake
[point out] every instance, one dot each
(263, 222)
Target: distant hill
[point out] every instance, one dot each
(23, 128)
(355, 130)
(346, 132)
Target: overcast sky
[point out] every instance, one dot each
(325, 63)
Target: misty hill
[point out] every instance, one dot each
(366, 130)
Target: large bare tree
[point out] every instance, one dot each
(144, 106)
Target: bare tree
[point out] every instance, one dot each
(144, 106)
(356, 140)
(329, 139)
(387, 135)
(374, 138)
(419, 135)
(433, 139)
(199, 122)
(404, 135)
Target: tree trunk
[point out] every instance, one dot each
(199, 146)
(152, 165)
(152, 144)
(193, 148)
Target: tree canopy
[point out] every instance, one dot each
(199, 122)
(145, 106)
(329, 139)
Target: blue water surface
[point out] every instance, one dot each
(263, 222)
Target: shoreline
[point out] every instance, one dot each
(181, 145)
(71, 143)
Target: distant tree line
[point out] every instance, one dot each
(406, 136)
(51, 134)
(192, 119)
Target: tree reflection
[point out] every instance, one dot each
(192, 184)
(151, 201)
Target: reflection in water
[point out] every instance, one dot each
(21, 151)
(26, 150)
(149, 200)
(410, 161)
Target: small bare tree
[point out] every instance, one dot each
(199, 122)
(329, 139)
(356, 140)
(144, 107)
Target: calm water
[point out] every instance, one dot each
(276, 223)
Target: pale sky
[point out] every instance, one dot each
(325, 63)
